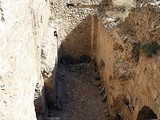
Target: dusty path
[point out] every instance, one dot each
(80, 98)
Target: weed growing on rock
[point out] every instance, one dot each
(51, 18)
(149, 48)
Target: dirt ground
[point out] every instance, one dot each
(80, 98)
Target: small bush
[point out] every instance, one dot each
(149, 48)
(51, 18)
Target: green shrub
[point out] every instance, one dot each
(149, 48)
(51, 18)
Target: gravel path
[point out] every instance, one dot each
(80, 98)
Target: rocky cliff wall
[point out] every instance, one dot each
(130, 78)
(23, 27)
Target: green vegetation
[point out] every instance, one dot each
(127, 6)
(51, 18)
(149, 48)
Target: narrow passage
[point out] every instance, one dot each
(79, 96)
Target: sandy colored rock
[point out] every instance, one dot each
(135, 75)
(22, 32)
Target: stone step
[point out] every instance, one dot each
(102, 91)
(100, 87)
(103, 98)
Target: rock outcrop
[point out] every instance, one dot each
(24, 26)
(127, 72)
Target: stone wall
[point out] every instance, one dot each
(143, 88)
(22, 28)
(78, 42)
(104, 56)
(128, 75)
(73, 25)
(49, 61)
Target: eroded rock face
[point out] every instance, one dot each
(39, 98)
(74, 25)
(22, 28)
(49, 62)
(128, 73)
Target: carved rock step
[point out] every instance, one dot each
(103, 98)
(102, 91)
(100, 87)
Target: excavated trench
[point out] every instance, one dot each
(79, 93)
